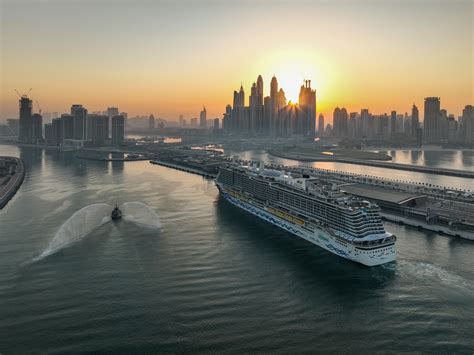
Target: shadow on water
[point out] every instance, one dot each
(310, 263)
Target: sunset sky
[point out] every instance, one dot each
(173, 57)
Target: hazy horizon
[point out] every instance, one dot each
(170, 58)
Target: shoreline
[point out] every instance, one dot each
(9, 190)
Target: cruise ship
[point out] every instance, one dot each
(310, 208)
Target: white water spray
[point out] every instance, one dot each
(91, 217)
(141, 214)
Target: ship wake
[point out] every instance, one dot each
(84, 221)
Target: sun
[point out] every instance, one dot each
(291, 67)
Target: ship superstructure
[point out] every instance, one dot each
(311, 208)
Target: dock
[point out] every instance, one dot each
(378, 164)
(187, 169)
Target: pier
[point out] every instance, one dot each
(377, 164)
(187, 169)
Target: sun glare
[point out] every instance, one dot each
(291, 68)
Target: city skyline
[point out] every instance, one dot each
(346, 55)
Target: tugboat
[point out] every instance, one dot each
(116, 214)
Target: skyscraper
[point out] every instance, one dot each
(364, 123)
(431, 122)
(36, 128)
(274, 105)
(98, 129)
(468, 123)
(111, 112)
(67, 127)
(203, 118)
(253, 106)
(415, 121)
(57, 131)
(118, 129)
(48, 133)
(307, 103)
(26, 108)
(321, 124)
(151, 122)
(393, 122)
(260, 90)
(80, 124)
(340, 122)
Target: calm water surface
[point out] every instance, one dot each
(453, 159)
(213, 278)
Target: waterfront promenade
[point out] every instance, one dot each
(11, 178)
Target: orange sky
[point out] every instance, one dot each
(169, 58)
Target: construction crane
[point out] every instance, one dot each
(24, 95)
(38, 106)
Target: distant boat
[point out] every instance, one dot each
(116, 213)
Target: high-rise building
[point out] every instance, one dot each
(151, 122)
(274, 105)
(393, 122)
(227, 119)
(352, 125)
(26, 109)
(111, 112)
(98, 129)
(415, 121)
(48, 133)
(260, 90)
(203, 118)
(216, 124)
(118, 129)
(468, 124)
(36, 128)
(321, 124)
(364, 123)
(340, 122)
(307, 103)
(57, 131)
(431, 122)
(80, 122)
(253, 106)
(67, 127)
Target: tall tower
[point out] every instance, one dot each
(415, 121)
(273, 87)
(273, 105)
(260, 90)
(80, 125)
(118, 128)
(241, 96)
(26, 108)
(203, 118)
(431, 120)
(393, 122)
(253, 106)
(151, 122)
(321, 124)
(307, 102)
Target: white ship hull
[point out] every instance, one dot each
(320, 237)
